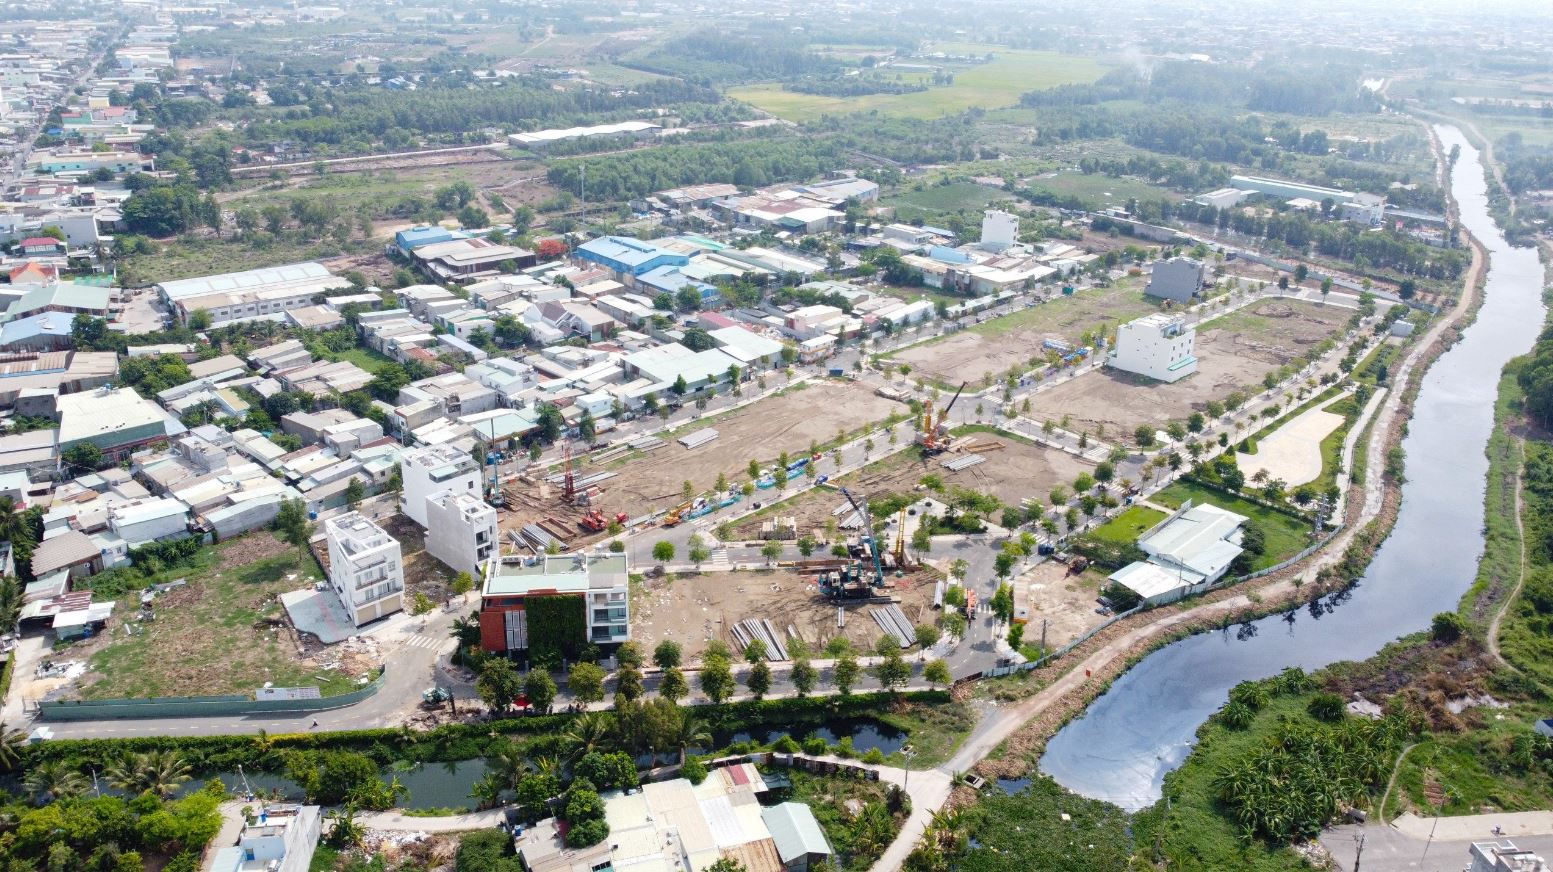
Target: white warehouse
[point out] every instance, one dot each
(366, 571)
(461, 531)
(1159, 346)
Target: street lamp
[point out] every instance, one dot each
(907, 752)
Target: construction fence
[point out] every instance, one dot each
(197, 706)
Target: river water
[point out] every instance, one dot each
(1145, 725)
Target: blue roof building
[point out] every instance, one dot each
(628, 256)
(415, 237)
(50, 331)
(669, 279)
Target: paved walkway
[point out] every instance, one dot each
(1391, 850)
(1477, 826)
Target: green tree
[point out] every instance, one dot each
(716, 678)
(539, 687)
(499, 684)
(846, 673)
(672, 686)
(586, 682)
(81, 458)
(355, 492)
(937, 674)
(291, 523)
(663, 551)
(667, 654)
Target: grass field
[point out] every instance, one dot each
(1285, 535)
(1098, 191)
(187, 258)
(989, 86)
(365, 358)
(214, 635)
(1124, 529)
(953, 197)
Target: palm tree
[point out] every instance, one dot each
(691, 734)
(588, 733)
(163, 772)
(53, 780)
(11, 744)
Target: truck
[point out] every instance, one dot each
(837, 372)
(970, 603)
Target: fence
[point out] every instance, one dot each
(196, 706)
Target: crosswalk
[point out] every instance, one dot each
(719, 555)
(428, 642)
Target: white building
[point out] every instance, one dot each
(1159, 346)
(1188, 551)
(460, 531)
(1504, 857)
(430, 470)
(280, 839)
(999, 230)
(366, 571)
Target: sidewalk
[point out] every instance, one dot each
(1477, 827)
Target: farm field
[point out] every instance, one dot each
(1234, 353)
(953, 197)
(992, 347)
(1097, 191)
(989, 86)
(223, 632)
(693, 609)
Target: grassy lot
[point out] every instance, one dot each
(936, 731)
(1124, 529)
(1099, 190)
(366, 358)
(988, 86)
(953, 197)
(1285, 535)
(911, 295)
(1122, 301)
(217, 634)
(188, 258)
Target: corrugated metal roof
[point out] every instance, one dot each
(795, 830)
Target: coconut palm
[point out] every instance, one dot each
(691, 734)
(11, 744)
(591, 732)
(163, 772)
(54, 780)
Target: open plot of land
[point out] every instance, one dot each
(1017, 471)
(222, 632)
(1095, 190)
(953, 197)
(1233, 353)
(990, 348)
(762, 431)
(1064, 601)
(989, 86)
(1293, 452)
(694, 609)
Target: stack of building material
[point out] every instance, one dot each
(646, 443)
(538, 539)
(964, 462)
(749, 630)
(698, 438)
(893, 621)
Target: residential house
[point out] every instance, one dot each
(600, 581)
(366, 570)
(461, 530)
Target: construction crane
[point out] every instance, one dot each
(868, 537)
(673, 517)
(935, 433)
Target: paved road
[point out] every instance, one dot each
(1387, 849)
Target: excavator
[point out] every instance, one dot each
(935, 438)
(595, 522)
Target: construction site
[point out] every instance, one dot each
(1234, 353)
(1059, 601)
(632, 481)
(1006, 467)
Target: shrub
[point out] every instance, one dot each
(844, 749)
(786, 745)
(815, 746)
(694, 770)
(874, 756)
(1326, 707)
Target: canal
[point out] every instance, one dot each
(1145, 725)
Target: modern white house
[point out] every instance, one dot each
(281, 839)
(602, 581)
(1179, 279)
(1504, 857)
(1159, 346)
(1188, 552)
(430, 470)
(999, 230)
(366, 570)
(460, 531)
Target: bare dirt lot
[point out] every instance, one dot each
(991, 348)
(789, 422)
(1012, 473)
(1065, 602)
(694, 609)
(1233, 353)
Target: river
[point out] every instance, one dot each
(1145, 725)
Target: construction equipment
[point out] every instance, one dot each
(900, 540)
(570, 491)
(857, 580)
(434, 697)
(935, 437)
(594, 521)
(675, 514)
